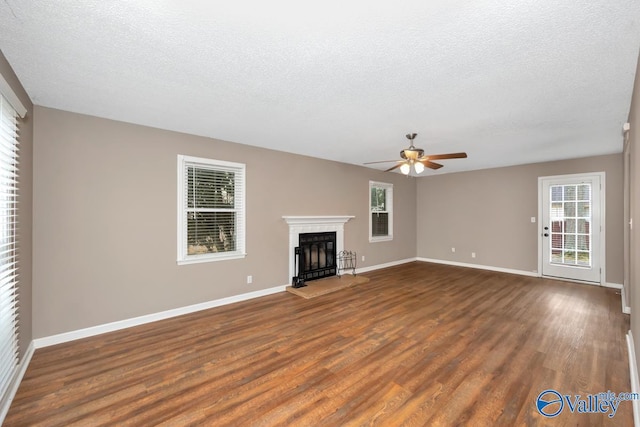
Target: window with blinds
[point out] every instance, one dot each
(211, 215)
(8, 244)
(380, 211)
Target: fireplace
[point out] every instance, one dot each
(313, 224)
(316, 255)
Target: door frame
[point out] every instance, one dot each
(603, 223)
(626, 291)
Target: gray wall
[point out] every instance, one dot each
(634, 202)
(24, 207)
(105, 217)
(489, 212)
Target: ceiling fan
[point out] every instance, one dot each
(415, 157)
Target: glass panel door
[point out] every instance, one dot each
(570, 235)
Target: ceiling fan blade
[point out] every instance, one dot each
(382, 161)
(431, 165)
(394, 167)
(446, 156)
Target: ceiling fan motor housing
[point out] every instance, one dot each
(415, 157)
(412, 153)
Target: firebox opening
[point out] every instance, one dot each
(317, 252)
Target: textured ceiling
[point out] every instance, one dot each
(509, 82)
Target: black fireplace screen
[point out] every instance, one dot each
(317, 255)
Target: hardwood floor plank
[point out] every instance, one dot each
(420, 344)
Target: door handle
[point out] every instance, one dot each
(546, 228)
(546, 234)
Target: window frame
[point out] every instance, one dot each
(388, 209)
(239, 169)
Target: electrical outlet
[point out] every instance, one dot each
(473, 254)
(533, 219)
(453, 249)
(362, 258)
(249, 279)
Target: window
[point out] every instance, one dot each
(380, 211)
(8, 243)
(211, 210)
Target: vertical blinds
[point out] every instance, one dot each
(8, 244)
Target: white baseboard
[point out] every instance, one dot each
(136, 321)
(141, 320)
(625, 309)
(623, 297)
(385, 265)
(633, 373)
(13, 388)
(480, 267)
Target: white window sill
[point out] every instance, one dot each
(380, 239)
(208, 258)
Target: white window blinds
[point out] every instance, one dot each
(380, 211)
(211, 210)
(8, 243)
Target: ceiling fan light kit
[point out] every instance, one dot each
(415, 157)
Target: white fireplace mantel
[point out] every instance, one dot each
(314, 224)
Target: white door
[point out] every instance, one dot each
(571, 232)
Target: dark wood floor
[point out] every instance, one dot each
(420, 344)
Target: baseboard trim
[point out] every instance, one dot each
(13, 388)
(480, 267)
(633, 374)
(385, 265)
(625, 309)
(141, 320)
(623, 298)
